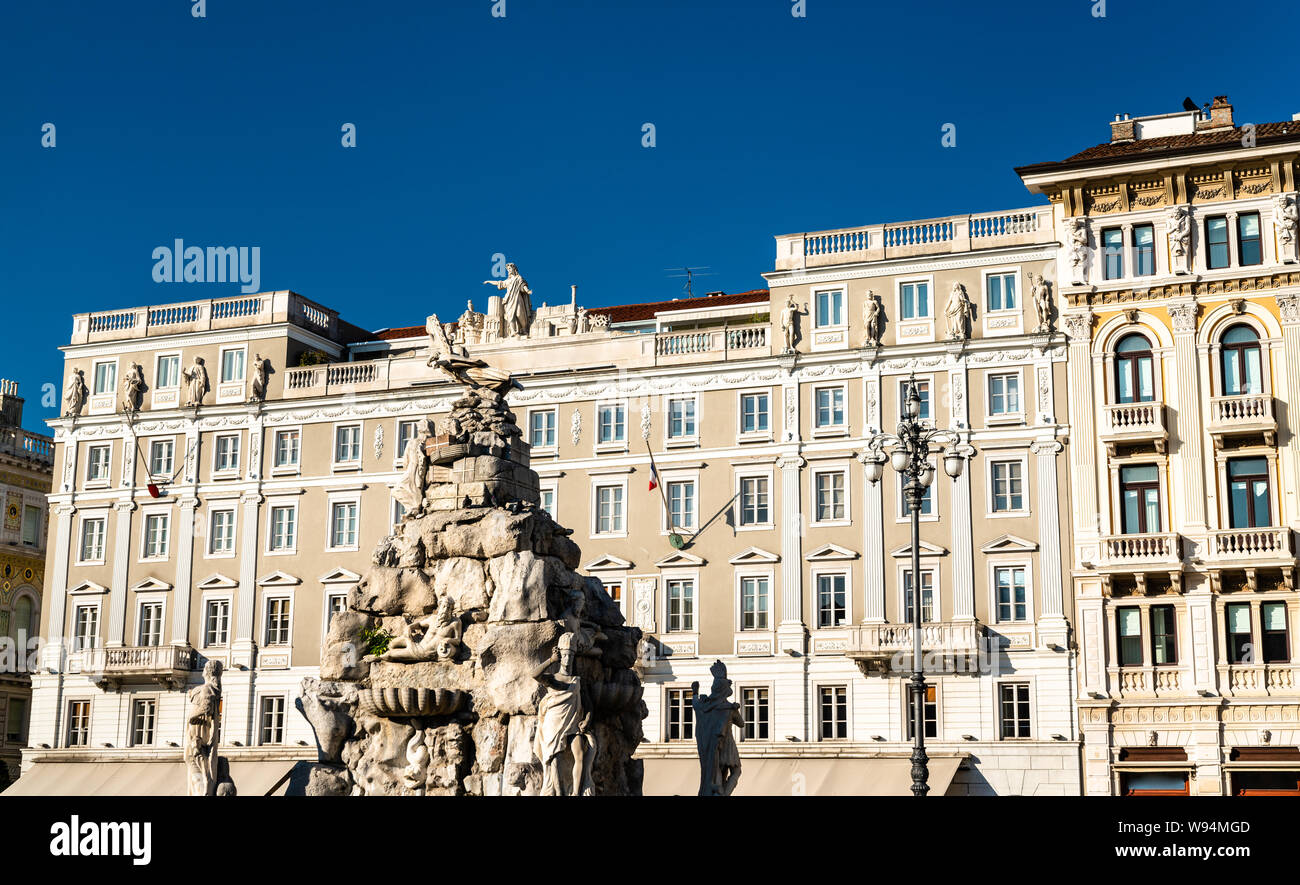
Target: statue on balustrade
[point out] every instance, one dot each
(1041, 292)
(715, 716)
(261, 368)
(133, 388)
(516, 308)
(790, 324)
(873, 321)
(74, 394)
(196, 382)
(960, 313)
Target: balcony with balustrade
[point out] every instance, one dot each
(166, 665)
(1134, 424)
(886, 649)
(722, 343)
(236, 312)
(934, 236)
(1155, 681)
(1139, 557)
(1245, 415)
(1258, 679)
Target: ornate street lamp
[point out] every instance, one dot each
(910, 457)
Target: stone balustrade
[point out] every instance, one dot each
(201, 315)
(1258, 679)
(882, 648)
(1243, 414)
(711, 344)
(23, 444)
(1158, 680)
(168, 665)
(1152, 548)
(1133, 423)
(1251, 544)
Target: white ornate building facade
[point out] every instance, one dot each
(1180, 292)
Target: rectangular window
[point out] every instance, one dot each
(754, 412)
(1139, 488)
(277, 621)
(284, 535)
(343, 524)
(611, 424)
(1164, 645)
(162, 457)
(92, 539)
(105, 377)
(548, 502)
(31, 526)
(1008, 487)
(1112, 243)
(16, 721)
(929, 713)
(757, 712)
(681, 506)
(1241, 649)
(157, 529)
(1004, 394)
(830, 407)
(97, 463)
(1250, 249)
(754, 501)
(78, 724)
(232, 365)
(405, 433)
(287, 443)
(85, 631)
(681, 606)
(144, 713)
(833, 712)
(541, 429)
(927, 596)
(1272, 621)
(830, 309)
(754, 596)
(615, 591)
(681, 418)
(227, 453)
(169, 372)
(832, 600)
(1012, 603)
(1001, 291)
(1129, 624)
(222, 540)
(922, 392)
(830, 495)
(681, 715)
(916, 300)
(1144, 252)
(335, 604)
(1216, 242)
(150, 632)
(216, 623)
(1014, 697)
(271, 721)
(1248, 504)
(609, 509)
(347, 444)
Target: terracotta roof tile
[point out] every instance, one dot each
(1170, 144)
(624, 313)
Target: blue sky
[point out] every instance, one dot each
(522, 135)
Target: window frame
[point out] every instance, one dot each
(211, 550)
(817, 573)
(1112, 256)
(1027, 685)
(178, 356)
(743, 575)
(93, 480)
(267, 600)
(102, 519)
(232, 470)
(813, 475)
(995, 603)
(145, 518)
(332, 503)
(899, 284)
(1122, 487)
(843, 723)
(1237, 351)
(351, 463)
(553, 430)
(619, 444)
(154, 444)
(677, 699)
(840, 302)
(1002, 273)
(1242, 239)
(1211, 244)
(151, 601)
(134, 721)
(1128, 364)
(272, 506)
(743, 476)
(684, 439)
(283, 714)
(209, 601)
(1016, 416)
(602, 482)
(94, 378)
(289, 468)
(1143, 254)
(74, 708)
(904, 568)
(764, 433)
(242, 350)
(991, 493)
(832, 428)
(693, 580)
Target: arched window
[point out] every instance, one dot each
(1134, 380)
(22, 618)
(1242, 371)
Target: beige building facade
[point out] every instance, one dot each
(1180, 293)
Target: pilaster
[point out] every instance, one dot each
(122, 544)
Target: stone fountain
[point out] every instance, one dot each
(473, 659)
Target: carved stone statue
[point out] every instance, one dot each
(196, 382)
(454, 361)
(516, 308)
(563, 726)
(203, 732)
(326, 708)
(873, 321)
(959, 312)
(1287, 219)
(436, 637)
(133, 388)
(585, 632)
(261, 368)
(715, 714)
(1078, 243)
(74, 395)
(410, 491)
(1180, 239)
(417, 767)
(790, 324)
(1041, 293)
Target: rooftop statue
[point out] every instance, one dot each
(516, 308)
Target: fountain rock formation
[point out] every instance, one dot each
(470, 619)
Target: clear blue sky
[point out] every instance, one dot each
(522, 135)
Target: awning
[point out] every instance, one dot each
(795, 776)
(101, 779)
(252, 778)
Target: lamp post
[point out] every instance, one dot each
(910, 457)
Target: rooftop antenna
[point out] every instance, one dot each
(689, 274)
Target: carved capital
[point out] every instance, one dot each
(1183, 316)
(1289, 307)
(1046, 447)
(1078, 325)
(790, 462)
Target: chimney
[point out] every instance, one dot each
(1220, 116)
(1122, 129)
(11, 404)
